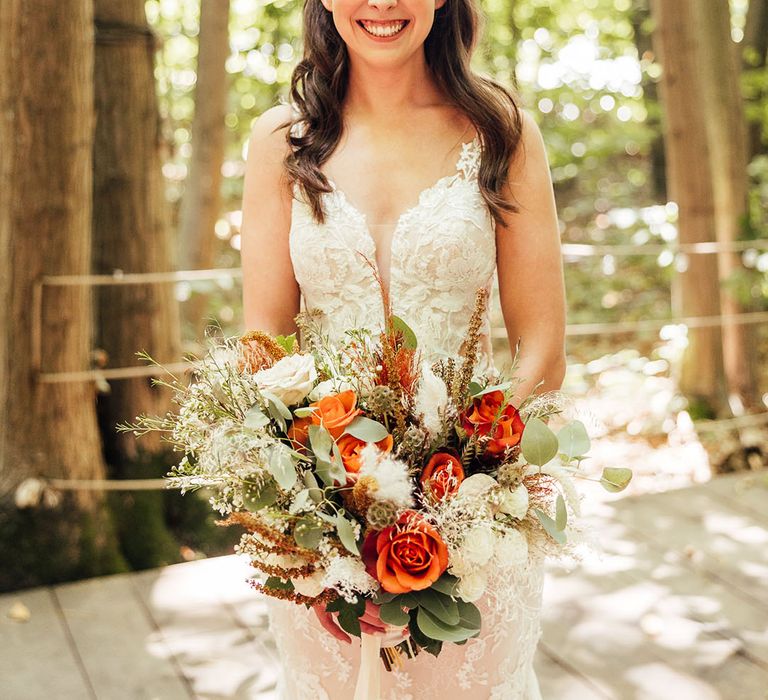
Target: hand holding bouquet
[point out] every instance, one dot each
(364, 475)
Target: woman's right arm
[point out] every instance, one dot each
(270, 291)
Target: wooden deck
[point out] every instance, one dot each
(676, 607)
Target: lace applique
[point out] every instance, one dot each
(442, 250)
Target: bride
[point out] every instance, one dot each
(395, 149)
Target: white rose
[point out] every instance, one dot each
(290, 379)
(514, 502)
(472, 586)
(478, 545)
(458, 565)
(311, 585)
(329, 386)
(477, 485)
(511, 549)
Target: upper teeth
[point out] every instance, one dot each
(378, 29)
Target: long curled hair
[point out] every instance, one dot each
(319, 85)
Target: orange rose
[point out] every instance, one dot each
(407, 556)
(298, 430)
(335, 412)
(478, 418)
(442, 475)
(350, 448)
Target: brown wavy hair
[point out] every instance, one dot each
(319, 86)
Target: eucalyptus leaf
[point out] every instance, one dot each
(561, 513)
(441, 606)
(346, 534)
(393, 614)
(573, 440)
(408, 335)
(279, 405)
(255, 418)
(280, 465)
(469, 615)
(308, 532)
(539, 443)
(381, 596)
(366, 429)
(550, 526)
(435, 628)
(256, 497)
(492, 387)
(446, 584)
(474, 388)
(304, 411)
(615, 479)
(320, 441)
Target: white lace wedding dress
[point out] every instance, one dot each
(442, 250)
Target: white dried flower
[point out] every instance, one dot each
(472, 585)
(391, 476)
(431, 400)
(513, 502)
(290, 379)
(348, 577)
(330, 386)
(511, 549)
(477, 485)
(478, 545)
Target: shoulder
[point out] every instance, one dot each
(530, 151)
(267, 143)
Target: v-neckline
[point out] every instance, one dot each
(407, 213)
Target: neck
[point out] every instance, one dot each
(381, 94)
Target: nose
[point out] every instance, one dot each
(382, 4)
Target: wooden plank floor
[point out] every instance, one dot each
(671, 604)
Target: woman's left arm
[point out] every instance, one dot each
(530, 268)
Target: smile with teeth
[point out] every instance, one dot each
(383, 29)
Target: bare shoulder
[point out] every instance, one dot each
(267, 144)
(531, 151)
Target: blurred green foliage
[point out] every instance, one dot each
(585, 70)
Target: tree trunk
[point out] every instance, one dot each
(47, 429)
(756, 43)
(722, 106)
(689, 183)
(130, 223)
(201, 203)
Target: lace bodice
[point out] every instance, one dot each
(443, 250)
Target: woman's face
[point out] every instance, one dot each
(383, 32)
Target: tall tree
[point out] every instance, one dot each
(130, 221)
(47, 429)
(754, 57)
(722, 108)
(689, 183)
(201, 202)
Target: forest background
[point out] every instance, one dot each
(122, 152)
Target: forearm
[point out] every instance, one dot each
(535, 363)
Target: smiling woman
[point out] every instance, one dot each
(394, 168)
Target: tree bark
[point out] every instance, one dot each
(722, 106)
(756, 42)
(131, 224)
(695, 290)
(201, 202)
(47, 429)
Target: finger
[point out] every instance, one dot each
(371, 629)
(329, 624)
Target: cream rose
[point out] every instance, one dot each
(311, 585)
(477, 485)
(329, 386)
(472, 585)
(290, 379)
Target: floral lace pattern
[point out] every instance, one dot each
(442, 250)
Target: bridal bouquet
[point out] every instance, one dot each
(361, 472)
